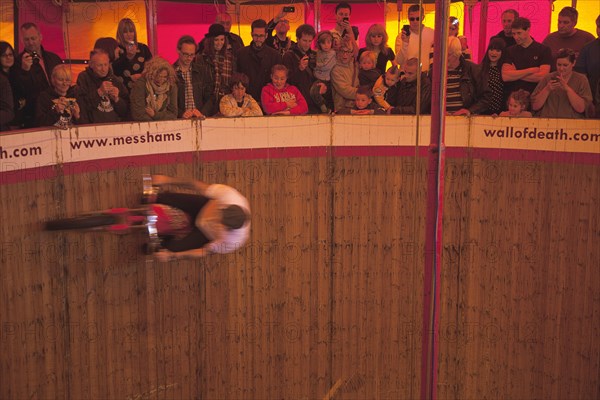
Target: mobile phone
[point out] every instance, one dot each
(406, 29)
(289, 9)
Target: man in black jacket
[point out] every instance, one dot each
(300, 61)
(194, 82)
(257, 59)
(101, 95)
(32, 70)
(403, 95)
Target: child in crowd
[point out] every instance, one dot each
(279, 98)
(320, 91)
(368, 74)
(518, 103)
(386, 88)
(363, 103)
(239, 103)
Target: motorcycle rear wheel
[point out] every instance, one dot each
(81, 222)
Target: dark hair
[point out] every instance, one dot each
(279, 67)
(108, 44)
(514, 12)
(234, 217)
(28, 25)
(258, 23)
(394, 70)
(321, 38)
(521, 23)
(209, 46)
(186, 39)
(569, 12)
(341, 5)
(566, 53)
(415, 8)
(239, 78)
(495, 44)
(366, 90)
(305, 29)
(522, 97)
(5, 46)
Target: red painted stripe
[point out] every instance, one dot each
(50, 172)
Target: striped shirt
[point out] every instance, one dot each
(454, 100)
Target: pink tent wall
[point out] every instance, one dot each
(49, 18)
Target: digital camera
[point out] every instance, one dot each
(35, 56)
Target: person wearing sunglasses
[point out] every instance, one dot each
(407, 43)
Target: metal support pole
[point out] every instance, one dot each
(435, 197)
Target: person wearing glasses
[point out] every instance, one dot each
(407, 43)
(344, 77)
(377, 42)
(7, 94)
(194, 82)
(257, 59)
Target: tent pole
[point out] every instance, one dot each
(151, 24)
(317, 10)
(483, 16)
(434, 210)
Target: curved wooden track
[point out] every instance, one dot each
(329, 289)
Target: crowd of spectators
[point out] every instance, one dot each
(324, 72)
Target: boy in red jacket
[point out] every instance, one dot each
(279, 98)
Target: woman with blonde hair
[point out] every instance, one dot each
(57, 106)
(154, 95)
(134, 55)
(376, 41)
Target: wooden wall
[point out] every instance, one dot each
(520, 310)
(329, 287)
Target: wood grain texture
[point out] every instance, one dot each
(329, 286)
(520, 280)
